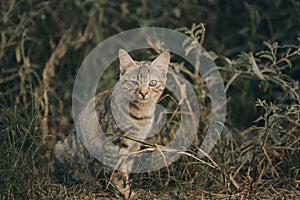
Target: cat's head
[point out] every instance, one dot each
(145, 81)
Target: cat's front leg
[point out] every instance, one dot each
(121, 183)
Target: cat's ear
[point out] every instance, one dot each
(162, 62)
(126, 61)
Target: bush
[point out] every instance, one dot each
(254, 44)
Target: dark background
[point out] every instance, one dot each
(43, 43)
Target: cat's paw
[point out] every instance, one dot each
(125, 193)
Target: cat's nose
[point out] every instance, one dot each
(144, 91)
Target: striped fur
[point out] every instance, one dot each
(128, 109)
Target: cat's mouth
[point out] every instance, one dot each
(144, 100)
(140, 99)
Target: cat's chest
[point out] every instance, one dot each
(142, 117)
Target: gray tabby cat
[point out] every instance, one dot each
(125, 112)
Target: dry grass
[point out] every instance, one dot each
(257, 156)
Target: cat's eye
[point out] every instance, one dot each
(152, 83)
(134, 83)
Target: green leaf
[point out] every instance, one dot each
(275, 135)
(255, 68)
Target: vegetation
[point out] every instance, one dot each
(255, 44)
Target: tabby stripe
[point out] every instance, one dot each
(134, 105)
(139, 118)
(129, 129)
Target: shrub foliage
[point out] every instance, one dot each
(255, 45)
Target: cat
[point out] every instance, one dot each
(124, 112)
